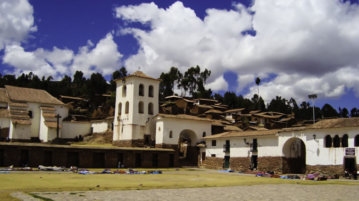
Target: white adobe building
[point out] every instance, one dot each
(136, 104)
(329, 145)
(30, 114)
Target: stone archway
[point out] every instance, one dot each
(187, 150)
(294, 156)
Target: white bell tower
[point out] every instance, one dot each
(136, 103)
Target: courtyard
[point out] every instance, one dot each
(173, 184)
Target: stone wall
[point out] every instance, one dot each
(129, 143)
(213, 163)
(325, 169)
(266, 164)
(240, 163)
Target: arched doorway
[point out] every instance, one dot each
(187, 150)
(294, 156)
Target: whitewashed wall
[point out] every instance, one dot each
(4, 122)
(165, 125)
(19, 131)
(100, 126)
(316, 152)
(267, 147)
(134, 123)
(73, 129)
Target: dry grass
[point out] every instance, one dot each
(30, 182)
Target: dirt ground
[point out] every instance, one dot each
(285, 192)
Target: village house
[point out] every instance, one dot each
(30, 114)
(204, 132)
(178, 132)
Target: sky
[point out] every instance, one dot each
(297, 48)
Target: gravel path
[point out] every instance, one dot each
(285, 192)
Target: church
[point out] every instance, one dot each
(203, 139)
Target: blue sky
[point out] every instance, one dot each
(296, 47)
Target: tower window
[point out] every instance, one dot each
(127, 109)
(140, 107)
(119, 108)
(150, 108)
(150, 91)
(141, 90)
(124, 90)
(171, 134)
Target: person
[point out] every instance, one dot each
(119, 164)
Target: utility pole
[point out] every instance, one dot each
(57, 125)
(313, 97)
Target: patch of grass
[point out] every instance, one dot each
(54, 182)
(40, 197)
(5, 195)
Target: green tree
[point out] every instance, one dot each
(328, 111)
(354, 112)
(343, 112)
(230, 99)
(118, 74)
(168, 81)
(279, 104)
(194, 80)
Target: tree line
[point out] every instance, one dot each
(190, 83)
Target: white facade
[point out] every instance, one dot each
(240, 147)
(136, 104)
(282, 145)
(169, 129)
(316, 151)
(100, 126)
(72, 130)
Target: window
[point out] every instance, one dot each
(150, 108)
(127, 109)
(119, 108)
(345, 140)
(171, 134)
(213, 155)
(328, 141)
(140, 107)
(140, 90)
(124, 91)
(150, 91)
(356, 141)
(204, 134)
(336, 141)
(30, 114)
(214, 143)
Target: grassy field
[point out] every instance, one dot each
(43, 181)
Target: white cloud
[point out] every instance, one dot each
(219, 84)
(16, 21)
(27, 62)
(103, 58)
(305, 43)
